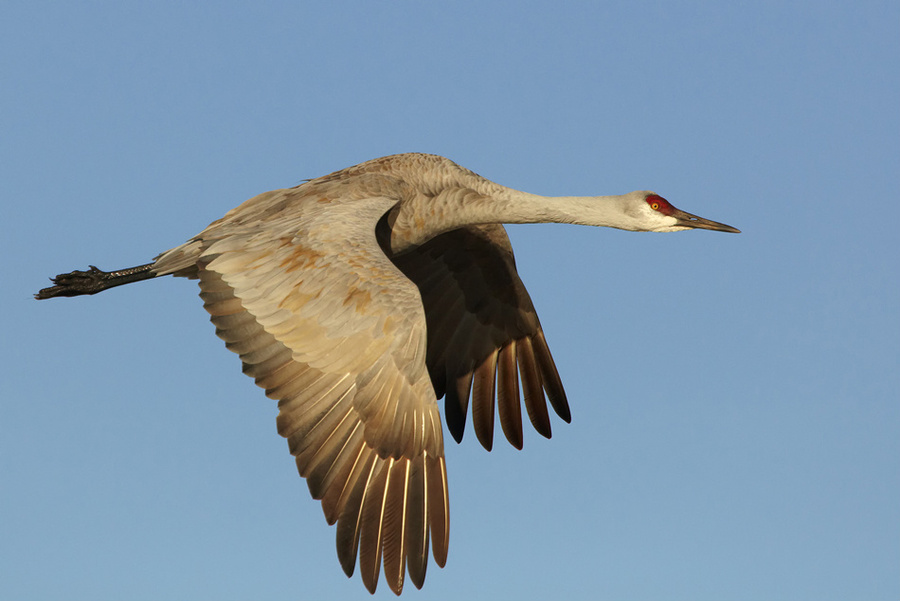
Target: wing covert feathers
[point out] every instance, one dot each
(355, 401)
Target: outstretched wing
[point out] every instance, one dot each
(329, 327)
(484, 335)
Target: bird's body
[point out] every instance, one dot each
(357, 300)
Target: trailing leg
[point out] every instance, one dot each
(76, 283)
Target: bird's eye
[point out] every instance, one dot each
(659, 204)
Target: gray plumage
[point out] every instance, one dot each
(358, 299)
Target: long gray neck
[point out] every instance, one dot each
(419, 219)
(439, 196)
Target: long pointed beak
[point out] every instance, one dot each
(685, 219)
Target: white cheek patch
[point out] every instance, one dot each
(657, 222)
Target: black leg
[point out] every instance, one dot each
(93, 281)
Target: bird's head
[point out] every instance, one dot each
(654, 213)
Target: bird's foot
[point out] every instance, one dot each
(75, 283)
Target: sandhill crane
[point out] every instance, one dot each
(360, 298)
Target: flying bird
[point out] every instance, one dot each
(360, 298)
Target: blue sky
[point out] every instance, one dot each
(736, 416)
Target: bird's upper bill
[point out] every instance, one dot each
(688, 220)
